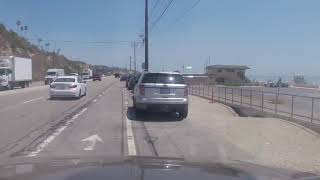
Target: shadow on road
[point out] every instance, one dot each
(63, 99)
(152, 116)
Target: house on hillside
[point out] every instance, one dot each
(227, 73)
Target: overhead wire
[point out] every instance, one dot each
(187, 12)
(160, 16)
(153, 8)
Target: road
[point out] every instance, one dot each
(104, 124)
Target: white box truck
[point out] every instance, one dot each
(87, 73)
(52, 74)
(15, 71)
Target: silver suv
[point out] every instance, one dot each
(163, 91)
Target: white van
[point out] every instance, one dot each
(52, 74)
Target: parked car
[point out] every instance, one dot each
(116, 75)
(96, 77)
(163, 91)
(68, 86)
(133, 81)
(128, 79)
(123, 78)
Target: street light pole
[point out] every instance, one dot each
(146, 50)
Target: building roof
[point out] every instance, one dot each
(228, 66)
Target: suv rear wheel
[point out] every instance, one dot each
(184, 112)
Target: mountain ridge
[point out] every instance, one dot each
(11, 44)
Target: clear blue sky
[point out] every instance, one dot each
(273, 37)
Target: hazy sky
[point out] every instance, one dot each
(272, 37)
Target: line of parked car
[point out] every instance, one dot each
(162, 91)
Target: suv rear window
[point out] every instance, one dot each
(163, 78)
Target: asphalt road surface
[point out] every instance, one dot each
(104, 124)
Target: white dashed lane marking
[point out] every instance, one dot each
(35, 99)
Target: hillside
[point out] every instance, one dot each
(12, 44)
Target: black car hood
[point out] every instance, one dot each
(142, 168)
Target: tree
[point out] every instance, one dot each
(18, 25)
(39, 41)
(47, 46)
(25, 30)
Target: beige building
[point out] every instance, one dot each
(227, 73)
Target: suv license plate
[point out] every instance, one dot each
(164, 91)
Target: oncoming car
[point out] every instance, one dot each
(68, 86)
(163, 91)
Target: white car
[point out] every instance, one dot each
(68, 86)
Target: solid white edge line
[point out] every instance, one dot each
(57, 132)
(131, 145)
(130, 137)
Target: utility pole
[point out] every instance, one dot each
(134, 57)
(146, 24)
(130, 62)
(134, 45)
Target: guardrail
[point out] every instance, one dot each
(288, 105)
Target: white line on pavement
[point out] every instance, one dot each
(126, 102)
(95, 100)
(100, 95)
(131, 145)
(58, 131)
(35, 99)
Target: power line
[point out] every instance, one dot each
(186, 12)
(157, 10)
(161, 15)
(153, 8)
(87, 42)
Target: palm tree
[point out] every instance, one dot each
(21, 29)
(18, 25)
(39, 41)
(47, 46)
(25, 30)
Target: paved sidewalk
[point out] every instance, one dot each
(268, 141)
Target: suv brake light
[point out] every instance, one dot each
(186, 91)
(142, 89)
